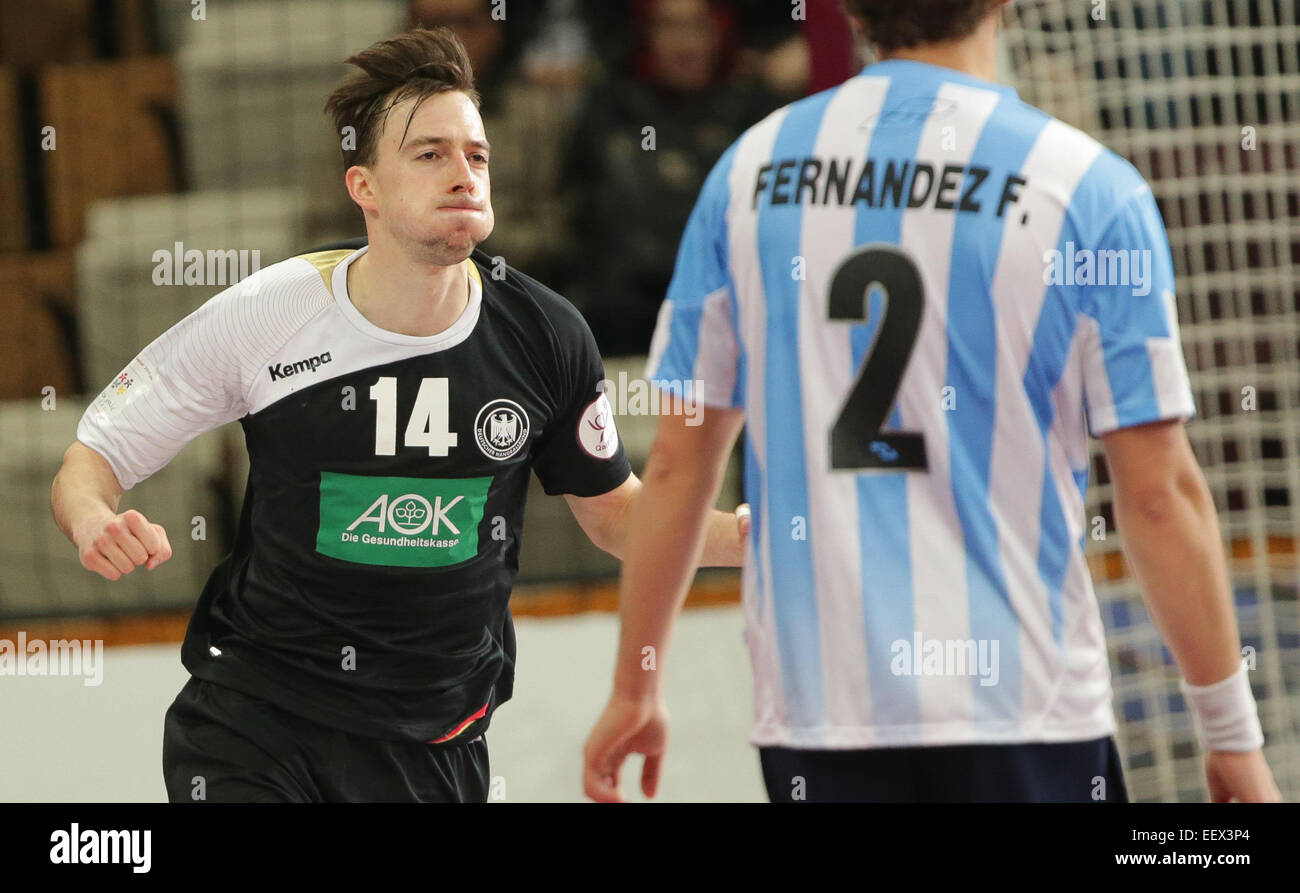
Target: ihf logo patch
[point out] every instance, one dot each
(501, 429)
(596, 431)
(122, 382)
(138, 377)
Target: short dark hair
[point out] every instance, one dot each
(417, 64)
(899, 24)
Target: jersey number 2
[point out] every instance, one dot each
(858, 438)
(429, 425)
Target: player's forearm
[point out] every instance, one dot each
(723, 544)
(84, 489)
(669, 526)
(1172, 541)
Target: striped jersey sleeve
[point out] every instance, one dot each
(1133, 367)
(695, 351)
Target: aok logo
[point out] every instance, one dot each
(410, 514)
(400, 522)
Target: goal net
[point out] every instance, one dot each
(1201, 95)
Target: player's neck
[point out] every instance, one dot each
(976, 55)
(408, 298)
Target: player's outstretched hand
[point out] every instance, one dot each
(628, 725)
(112, 546)
(1242, 777)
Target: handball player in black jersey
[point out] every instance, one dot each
(394, 399)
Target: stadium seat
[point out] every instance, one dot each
(13, 228)
(38, 32)
(127, 105)
(36, 327)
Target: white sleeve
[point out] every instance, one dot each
(188, 381)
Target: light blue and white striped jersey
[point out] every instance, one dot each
(923, 293)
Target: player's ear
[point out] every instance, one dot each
(361, 186)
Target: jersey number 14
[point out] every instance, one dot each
(429, 425)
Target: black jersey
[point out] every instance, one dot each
(368, 584)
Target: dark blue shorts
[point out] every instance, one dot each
(1072, 772)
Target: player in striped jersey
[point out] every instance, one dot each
(920, 295)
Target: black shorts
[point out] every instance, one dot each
(223, 746)
(1076, 771)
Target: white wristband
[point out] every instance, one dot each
(1224, 713)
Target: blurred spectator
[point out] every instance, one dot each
(558, 56)
(831, 51)
(631, 201)
(775, 52)
(525, 123)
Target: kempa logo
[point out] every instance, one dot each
(311, 364)
(400, 522)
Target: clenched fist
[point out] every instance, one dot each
(113, 545)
